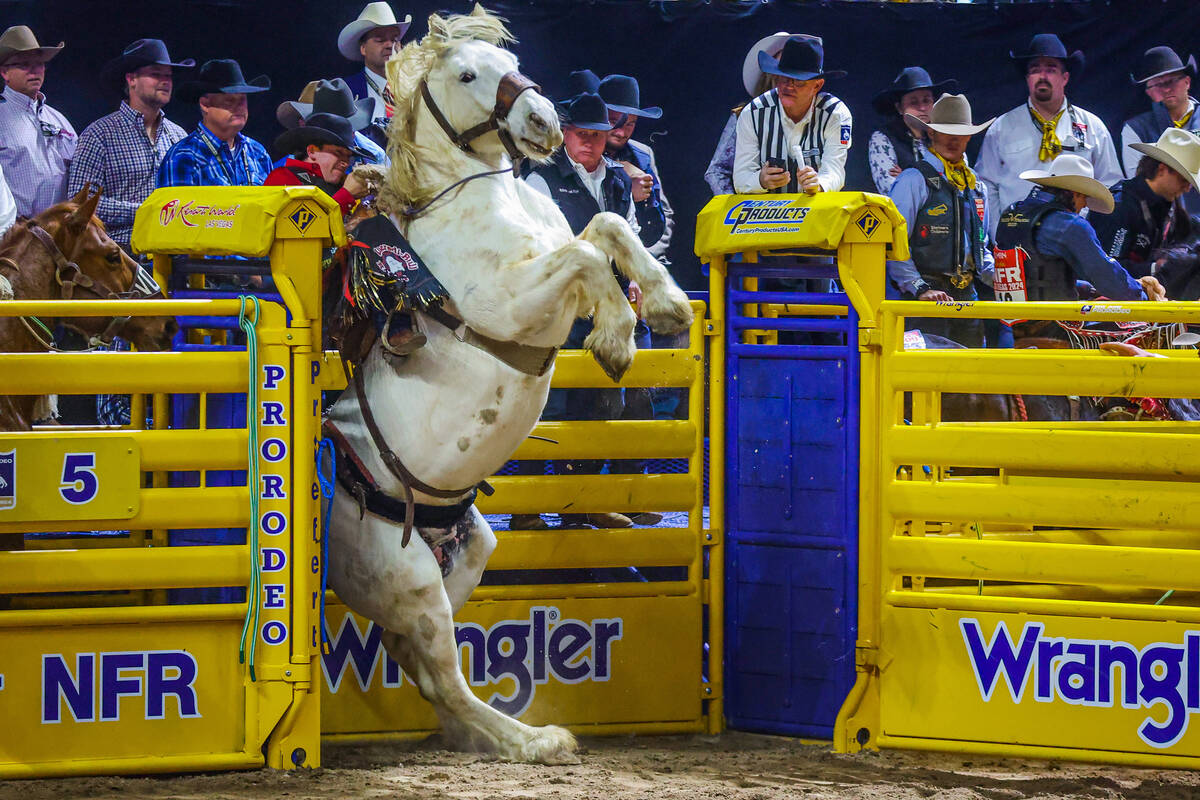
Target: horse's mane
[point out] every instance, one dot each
(406, 71)
(20, 228)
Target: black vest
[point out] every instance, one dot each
(903, 143)
(936, 237)
(1149, 125)
(309, 179)
(1046, 277)
(575, 201)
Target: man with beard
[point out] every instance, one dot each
(1047, 124)
(122, 151)
(795, 137)
(371, 39)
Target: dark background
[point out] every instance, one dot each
(687, 56)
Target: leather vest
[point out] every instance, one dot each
(1020, 268)
(902, 143)
(936, 237)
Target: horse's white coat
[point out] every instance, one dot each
(454, 413)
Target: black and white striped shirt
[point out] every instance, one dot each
(765, 131)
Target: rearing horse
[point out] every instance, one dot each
(457, 408)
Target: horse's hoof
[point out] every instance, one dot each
(667, 311)
(612, 354)
(553, 746)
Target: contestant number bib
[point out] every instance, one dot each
(1009, 281)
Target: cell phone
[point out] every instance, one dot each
(777, 163)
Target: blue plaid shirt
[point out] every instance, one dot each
(201, 159)
(114, 152)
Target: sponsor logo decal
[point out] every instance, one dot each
(1090, 309)
(302, 217)
(8, 479)
(957, 305)
(766, 216)
(195, 215)
(845, 134)
(938, 210)
(868, 223)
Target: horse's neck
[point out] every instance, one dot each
(33, 279)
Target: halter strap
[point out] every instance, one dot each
(511, 86)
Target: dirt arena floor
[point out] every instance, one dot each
(734, 766)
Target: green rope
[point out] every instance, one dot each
(250, 626)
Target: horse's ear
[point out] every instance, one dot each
(82, 195)
(82, 216)
(479, 11)
(437, 27)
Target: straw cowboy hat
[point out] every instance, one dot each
(1179, 150)
(328, 97)
(142, 53)
(1075, 174)
(910, 79)
(800, 59)
(771, 45)
(950, 115)
(375, 15)
(1048, 45)
(1159, 61)
(20, 39)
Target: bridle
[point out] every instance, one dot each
(70, 277)
(511, 86)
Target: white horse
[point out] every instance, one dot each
(453, 411)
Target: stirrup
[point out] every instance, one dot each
(414, 342)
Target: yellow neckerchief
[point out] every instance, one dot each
(1051, 146)
(1186, 118)
(957, 173)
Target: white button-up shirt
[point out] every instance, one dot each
(37, 144)
(592, 181)
(8, 206)
(1011, 147)
(834, 133)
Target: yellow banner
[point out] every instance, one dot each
(65, 479)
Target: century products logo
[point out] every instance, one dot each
(195, 215)
(766, 216)
(1162, 676)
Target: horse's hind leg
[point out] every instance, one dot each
(665, 306)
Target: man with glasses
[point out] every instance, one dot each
(37, 142)
(371, 39)
(1168, 83)
(1046, 125)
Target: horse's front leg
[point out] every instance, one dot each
(665, 306)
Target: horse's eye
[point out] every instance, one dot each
(467, 77)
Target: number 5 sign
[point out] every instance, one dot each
(70, 477)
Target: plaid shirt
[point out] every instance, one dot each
(36, 146)
(114, 152)
(201, 159)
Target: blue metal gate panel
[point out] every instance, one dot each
(792, 510)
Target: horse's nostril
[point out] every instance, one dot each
(537, 122)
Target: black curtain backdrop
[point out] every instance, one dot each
(687, 56)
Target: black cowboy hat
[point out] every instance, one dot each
(326, 97)
(1162, 61)
(587, 111)
(319, 129)
(142, 53)
(621, 93)
(910, 79)
(800, 60)
(1048, 45)
(221, 76)
(580, 82)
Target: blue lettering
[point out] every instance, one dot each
(273, 488)
(273, 559)
(273, 413)
(171, 672)
(79, 692)
(113, 686)
(999, 655)
(274, 595)
(272, 375)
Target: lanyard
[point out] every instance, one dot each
(228, 169)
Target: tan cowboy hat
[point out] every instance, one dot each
(1075, 174)
(375, 15)
(1179, 150)
(950, 115)
(771, 45)
(20, 39)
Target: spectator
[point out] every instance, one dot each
(899, 145)
(371, 39)
(8, 205)
(947, 213)
(1035, 133)
(719, 175)
(217, 153)
(319, 154)
(795, 137)
(582, 182)
(1149, 213)
(38, 142)
(122, 151)
(333, 97)
(1168, 83)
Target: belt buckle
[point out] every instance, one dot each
(960, 280)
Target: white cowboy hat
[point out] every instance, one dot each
(1075, 174)
(950, 115)
(375, 15)
(771, 45)
(1179, 150)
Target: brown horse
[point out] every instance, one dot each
(65, 254)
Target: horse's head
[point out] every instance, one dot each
(475, 84)
(82, 262)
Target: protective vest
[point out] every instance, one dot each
(765, 112)
(1023, 273)
(307, 178)
(903, 143)
(573, 198)
(936, 237)
(650, 216)
(1149, 125)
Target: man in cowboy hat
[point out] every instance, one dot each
(333, 97)
(795, 137)
(898, 145)
(1168, 83)
(371, 39)
(582, 182)
(1034, 133)
(947, 211)
(217, 153)
(1043, 246)
(122, 151)
(1149, 214)
(623, 97)
(38, 142)
(319, 153)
